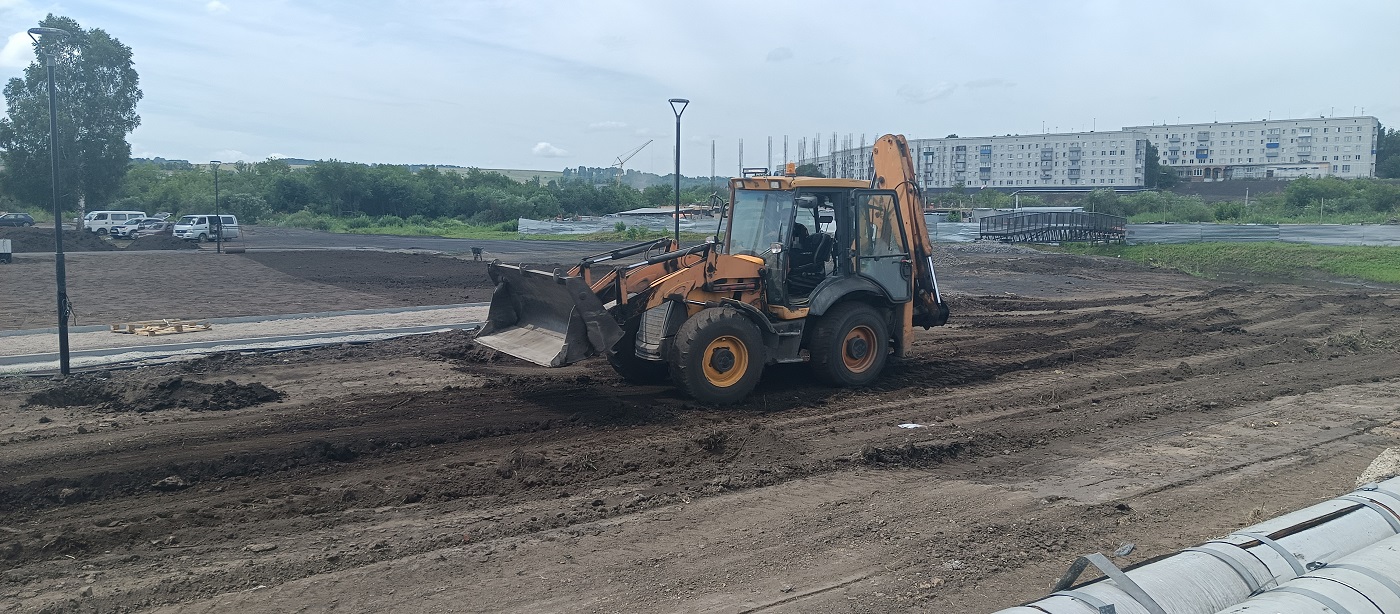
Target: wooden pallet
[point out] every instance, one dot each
(152, 328)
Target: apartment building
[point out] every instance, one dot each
(1269, 149)
(1084, 160)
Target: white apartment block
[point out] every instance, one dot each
(1084, 160)
(1270, 149)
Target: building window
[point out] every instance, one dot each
(1346, 168)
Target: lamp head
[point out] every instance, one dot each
(34, 33)
(678, 101)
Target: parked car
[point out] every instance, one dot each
(205, 227)
(16, 219)
(129, 228)
(101, 222)
(153, 226)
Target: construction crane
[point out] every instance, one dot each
(622, 159)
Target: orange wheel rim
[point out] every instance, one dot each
(858, 349)
(725, 361)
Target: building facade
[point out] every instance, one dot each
(1084, 160)
(1270, 149)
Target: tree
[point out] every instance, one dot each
(1154, 174)
(1388, 154)
(97, 94)
(809, 170)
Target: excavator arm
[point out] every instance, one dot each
(893, 165)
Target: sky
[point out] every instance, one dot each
(546, 85)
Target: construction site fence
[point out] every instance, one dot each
(966, 232)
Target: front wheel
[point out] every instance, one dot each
(717, 356)
(101, 232)
(202, 238)
(623, 358)
(850, 345)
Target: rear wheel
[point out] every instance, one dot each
(717, 356)
(850, 345)
(624, 360)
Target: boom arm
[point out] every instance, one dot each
(894, 170)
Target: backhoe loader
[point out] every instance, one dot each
(832, 272)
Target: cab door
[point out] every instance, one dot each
(881, 251)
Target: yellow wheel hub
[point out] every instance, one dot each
(858, 349)
(726, 359)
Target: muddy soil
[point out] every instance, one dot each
(1072, 405)
(127, 286)
(33, 239)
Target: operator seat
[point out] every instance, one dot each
(803, 278)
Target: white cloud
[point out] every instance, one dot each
(919, 94)
(216, 8)
(18, 51)
(545, 150)
(607, 125)
(780, 54)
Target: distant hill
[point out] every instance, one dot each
(633, 178)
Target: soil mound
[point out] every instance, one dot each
(161, 241)
(33, 240)
(143, 397)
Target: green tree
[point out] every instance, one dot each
(809, 170)
(1388, 154)
(97, 93)
(1154, 174)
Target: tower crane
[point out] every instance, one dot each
(622, 159)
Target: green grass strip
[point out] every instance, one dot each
(1276, 260)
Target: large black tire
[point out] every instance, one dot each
(717, 356)
(850, 345)
(623, 358)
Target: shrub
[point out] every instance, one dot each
(358, 222)
(389, 220)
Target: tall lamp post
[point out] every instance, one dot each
(218, 215)
(678, 110)
(60, 274)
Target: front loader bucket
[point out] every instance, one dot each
(546, 318)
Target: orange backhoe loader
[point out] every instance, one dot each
(833, 272)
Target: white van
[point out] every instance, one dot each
(205, 227)
(101, 222)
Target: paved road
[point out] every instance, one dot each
(34, 351)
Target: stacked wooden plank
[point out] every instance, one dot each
(161, 327)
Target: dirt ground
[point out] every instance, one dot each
(1072, 405)
(144, 285)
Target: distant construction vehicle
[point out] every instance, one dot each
(833, 272)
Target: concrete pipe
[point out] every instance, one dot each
(1366, 582)
(1223, 572)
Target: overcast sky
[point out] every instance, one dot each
(545, 85)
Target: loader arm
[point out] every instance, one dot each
(893, 165)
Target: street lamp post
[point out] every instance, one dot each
(218, 215)
(60, 274)
(678, 110)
